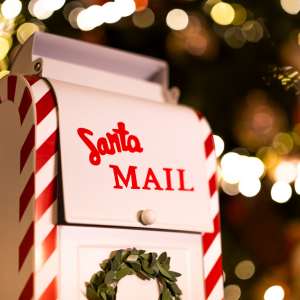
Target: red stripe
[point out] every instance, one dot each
(31, 79)
(26, 245)
(47, 150)
(213, 277)
(51, 292)
(46, 249)
(209, 145)
(25, 104)
(212, 184)
(208, 238)
(199, 114)
(11, 87)
(27, 292)
(46, 198)
(44, 106)
(27, 147)
(26, 195)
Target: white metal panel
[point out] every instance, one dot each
(170, 137)
(82, 249)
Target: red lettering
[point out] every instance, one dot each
(102, 146)
(151, 179)
(113, 139)
(130, 174)
(181, 180)
(137, 146)
(94, 156)
(122, 133)
(168, 178)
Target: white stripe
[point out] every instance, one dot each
(45, 224)
(26, 270)
(28, 169)
(27, 124)
(20, 88)
(212, 255)
(27, 219)
(214, 205)
(46, 274)
(46, 175)
(205, 129)
(39, 89)
(46, 128)
(218, 292)
(211, 164)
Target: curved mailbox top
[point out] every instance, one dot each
(121, 155)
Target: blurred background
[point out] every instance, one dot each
(238, 64)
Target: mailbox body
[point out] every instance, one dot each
(74, 187)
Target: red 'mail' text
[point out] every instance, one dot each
(112, 143)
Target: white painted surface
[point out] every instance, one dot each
(82, 249)
(170, 137)
(10, 134)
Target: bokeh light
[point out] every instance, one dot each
(125, 7)
(285, 171)
(254, 32)
(291, 6)
(4, 47)
(140, 4)
(144, 18)
(232, 292)
(83, 22)
(230, 189)
(74, 15)
(268, 156)
(25, 31)
(281, 192)
(11, 8)
(245, 269)
(177, 19)
(223, 13)
(4, 73)
(196, 45)
(111, 13)
(283, 143)
(53, 4)
(40, 11)
(253, 167)
(297, 185)
(69, 7)
(232, 167)
(275, 292)
(234, 38)
(249, 186)
(240, 14)
(93, 17)
(219, 145)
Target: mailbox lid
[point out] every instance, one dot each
(158, 164)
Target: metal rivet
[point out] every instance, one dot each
(38, 67)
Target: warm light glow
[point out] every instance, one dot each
(297, 186)
(4, 47)
(240, 14)
(11, 8)
(285, 171)
(125, 7)
(53, 4)
(245, 269)
(4, 73)
(275, 292)
(40, 11)
(196, 45)
(177, 19)
(281, 192)
(232, 292)
(291, 6)
(144, 18)
(74, 15)
(219, 145)
(283, 143)
(25, 31)
(232, 167)
(253, 167)
(234, 38)
(223, 13)
(249, 186)
(111, 13)
(93, 16)
(230, 189)
(254, 32)
(268, 156)
(83, 22)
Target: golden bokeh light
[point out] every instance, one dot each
(230, 189)
(144, 18)
(281, 192)
(11, 8)
(291, 6)
(219, 145)
(208, 5)
(245, 269)
(4, 47)
(253, 31)
(253, 166)
(4, 73)
(297, 185)
(283, 143)
(249, 186)
(232, 292)
(25, 31)
(177, 19)
(268, 156)
(285, 171)
(83, 22)
(40, 11)
(4, 63)
(69, 7)
(223, 13)
(240, 14)
(234, 38)
(196, 45)
(275, 292)
(74, 15)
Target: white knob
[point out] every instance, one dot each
(149, 216)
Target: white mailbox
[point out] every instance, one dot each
(95, 156)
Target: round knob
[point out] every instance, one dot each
(149, 216)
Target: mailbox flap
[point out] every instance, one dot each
(121, 155)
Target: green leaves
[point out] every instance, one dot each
(130, 263)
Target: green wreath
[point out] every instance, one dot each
(103, 284)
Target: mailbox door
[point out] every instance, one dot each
(82, 249)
